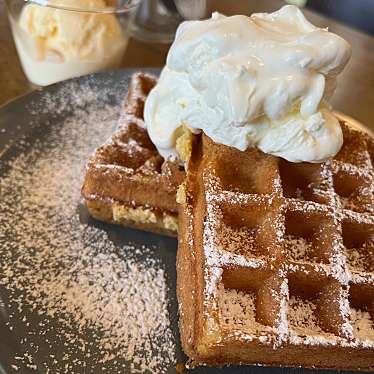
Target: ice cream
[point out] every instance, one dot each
(55, 44)
(261, 81)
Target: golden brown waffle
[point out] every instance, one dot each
(276, 260)
(126, 180)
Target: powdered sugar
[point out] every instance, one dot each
(283, 328)
(317, 217)
(237, 311)
(301, 317)
(363, 325)
(105, 304)
(297, 248)
(356, 260)
(237, 240)
(220, 249)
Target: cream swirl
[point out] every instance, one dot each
(261, 81)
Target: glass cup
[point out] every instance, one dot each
(156, 21)
(61, 39)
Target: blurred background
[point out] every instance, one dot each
(355, 13)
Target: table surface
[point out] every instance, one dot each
(354, 95)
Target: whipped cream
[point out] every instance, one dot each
(261, 81)
(55, 44)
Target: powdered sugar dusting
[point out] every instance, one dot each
(220, 249)
(237, 311)
(106, 304)
(283, 327)
(363, 325)
(357, 260)
(301, 317)
(298, 229)
(297, 248)
(237, 240)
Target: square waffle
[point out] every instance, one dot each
(127, 182)
(276, 259)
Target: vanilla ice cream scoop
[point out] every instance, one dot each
(68, 34)
(56, 44)
(261, 81)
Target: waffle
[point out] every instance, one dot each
(276, 260)
(127, 182)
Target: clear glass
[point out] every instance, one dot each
(61, 39)
(156, 21)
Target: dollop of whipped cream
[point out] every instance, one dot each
(261, 81)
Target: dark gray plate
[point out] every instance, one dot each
(31, 133)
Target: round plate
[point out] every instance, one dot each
(71, 288)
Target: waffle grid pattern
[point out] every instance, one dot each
(290, 258)
(126, 179)
(130, 148)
